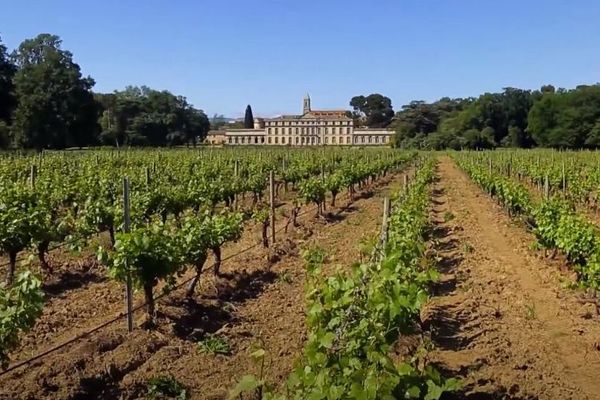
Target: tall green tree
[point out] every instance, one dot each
(374, 110)
(248, 118)
(7, 98)
(142, 116)
(567, 118)
(56, 108)
(7, 72)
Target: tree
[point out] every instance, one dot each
(56, 108)
(7, 99)
(248, 118)
(375, 110)
(566, 118)
(484, 139)
(143, 116)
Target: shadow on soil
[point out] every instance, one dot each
(197, 319)
(243, 285)
(70, 280)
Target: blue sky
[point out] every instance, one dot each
(224, 54)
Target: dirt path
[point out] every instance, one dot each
(501, 319)
(258, 303)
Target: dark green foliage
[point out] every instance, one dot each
(485, 122)
(55, 107)
(141, 116)
(248, 118)
(7, 99)
(374, 111)
(513, 118)
(567, 119)
(166, 387)
(45, 103)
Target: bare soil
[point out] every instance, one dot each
(500, 318)
(257, 302)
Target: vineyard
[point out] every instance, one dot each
(299, 274)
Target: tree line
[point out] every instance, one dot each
(46, 103)
(548, 117)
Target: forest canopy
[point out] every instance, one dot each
(512, 118)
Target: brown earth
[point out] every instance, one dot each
(258, 302)
(501, 319)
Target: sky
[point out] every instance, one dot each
(225, 54)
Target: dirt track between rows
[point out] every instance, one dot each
(500, 318)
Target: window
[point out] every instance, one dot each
(362, 139)
(297, 139)
(370, 139)
(312, 140)
(255, 139)
(326, 140)
(262, 139)
(297, 129)
(333, 140)
(269, 140)
(283, 140)
(236, 140)
(347, 139)
(243, 140)
(276, 140)
(376, 139)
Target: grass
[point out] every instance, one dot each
(448, 216)
(530, 312)
(468, 248)
(214, 344)
(285, 277)
(166, 387)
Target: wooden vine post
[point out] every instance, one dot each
(148, 177)
(384, 223)
(272, 204)
(323, 180)
(546, 188)
(235, 176)
(126, 229)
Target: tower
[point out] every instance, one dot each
(306, 106)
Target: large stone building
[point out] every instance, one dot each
(312, 128)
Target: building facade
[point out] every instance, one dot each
(215, 137)
(312, 128)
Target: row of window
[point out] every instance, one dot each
(313, 122)
(246, 140)
(309, 130)
(306, 140)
